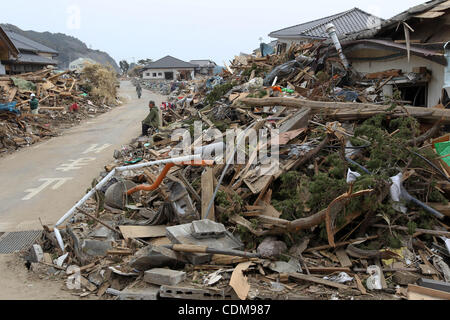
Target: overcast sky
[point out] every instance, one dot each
(186, 29)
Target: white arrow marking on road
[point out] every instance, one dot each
(48, 181)
(94, 148)
(75, 164)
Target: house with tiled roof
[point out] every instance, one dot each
(347, 22)
(31, 56)
(169, 68)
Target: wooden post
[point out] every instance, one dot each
(207, 193)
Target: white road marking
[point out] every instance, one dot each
(96, 149)
(58, 182)
(75, 164)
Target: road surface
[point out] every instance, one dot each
(45, 180)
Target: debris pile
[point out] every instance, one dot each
(338, 198)
(64, 98)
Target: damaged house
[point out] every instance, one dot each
(32, 56)
(404, 54)
(408, 50)
(204, 67)
(169, 68)
(347, 22)
(8, 50)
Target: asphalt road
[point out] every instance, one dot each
(45, 180)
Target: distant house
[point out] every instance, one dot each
(8, 50)
(204, 67)
(80, 63)
(32, 56)
(169, 68)
(346, 22)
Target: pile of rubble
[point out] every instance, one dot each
(338, 199)
(65, 99)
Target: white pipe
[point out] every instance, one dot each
(69, 213)
(331, 30)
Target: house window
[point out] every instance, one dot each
(154, 74)
(159, 74)
(148, 74)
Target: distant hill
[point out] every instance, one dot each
(69, 48)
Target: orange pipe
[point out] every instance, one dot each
(162, 175)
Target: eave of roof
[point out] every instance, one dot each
(421, 52)
(169, 62)
(25, 44)
(25, 58)
(395, 20)
(9, 43)
(346, 22)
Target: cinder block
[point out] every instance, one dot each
(36, 253)
(164, 276)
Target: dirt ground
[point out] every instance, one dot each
(17, 283)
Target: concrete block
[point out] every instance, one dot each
(149, 293)
(187, 293)
(203, 229)
(156, 257)
(164, 276)
(271, 247)
(182, 234)
(36, 253)
(96, 248)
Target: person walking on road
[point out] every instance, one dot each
(139, 90)
(34, 104)
(152, 120)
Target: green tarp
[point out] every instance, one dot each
(443, 149)
(24, 85)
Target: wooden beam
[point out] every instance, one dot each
(207, 193)
(308, 278)
(349, 110)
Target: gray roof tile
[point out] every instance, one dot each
(346, 22)
(169, 62)
(25, 44)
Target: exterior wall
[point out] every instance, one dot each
(47, 55)
(2, 69)
(437, 72)
(160, 73)
(24, 68)
(289, 42)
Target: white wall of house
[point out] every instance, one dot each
(437, 72)
(159, 74)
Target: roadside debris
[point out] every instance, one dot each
(64, 99)
(353, 202)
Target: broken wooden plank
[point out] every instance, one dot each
(350, 110)
(135, 232)
(308, 278)
(207, 193)
(421, 293)
(239, 282)
(344, 260)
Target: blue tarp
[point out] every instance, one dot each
(10, 107)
